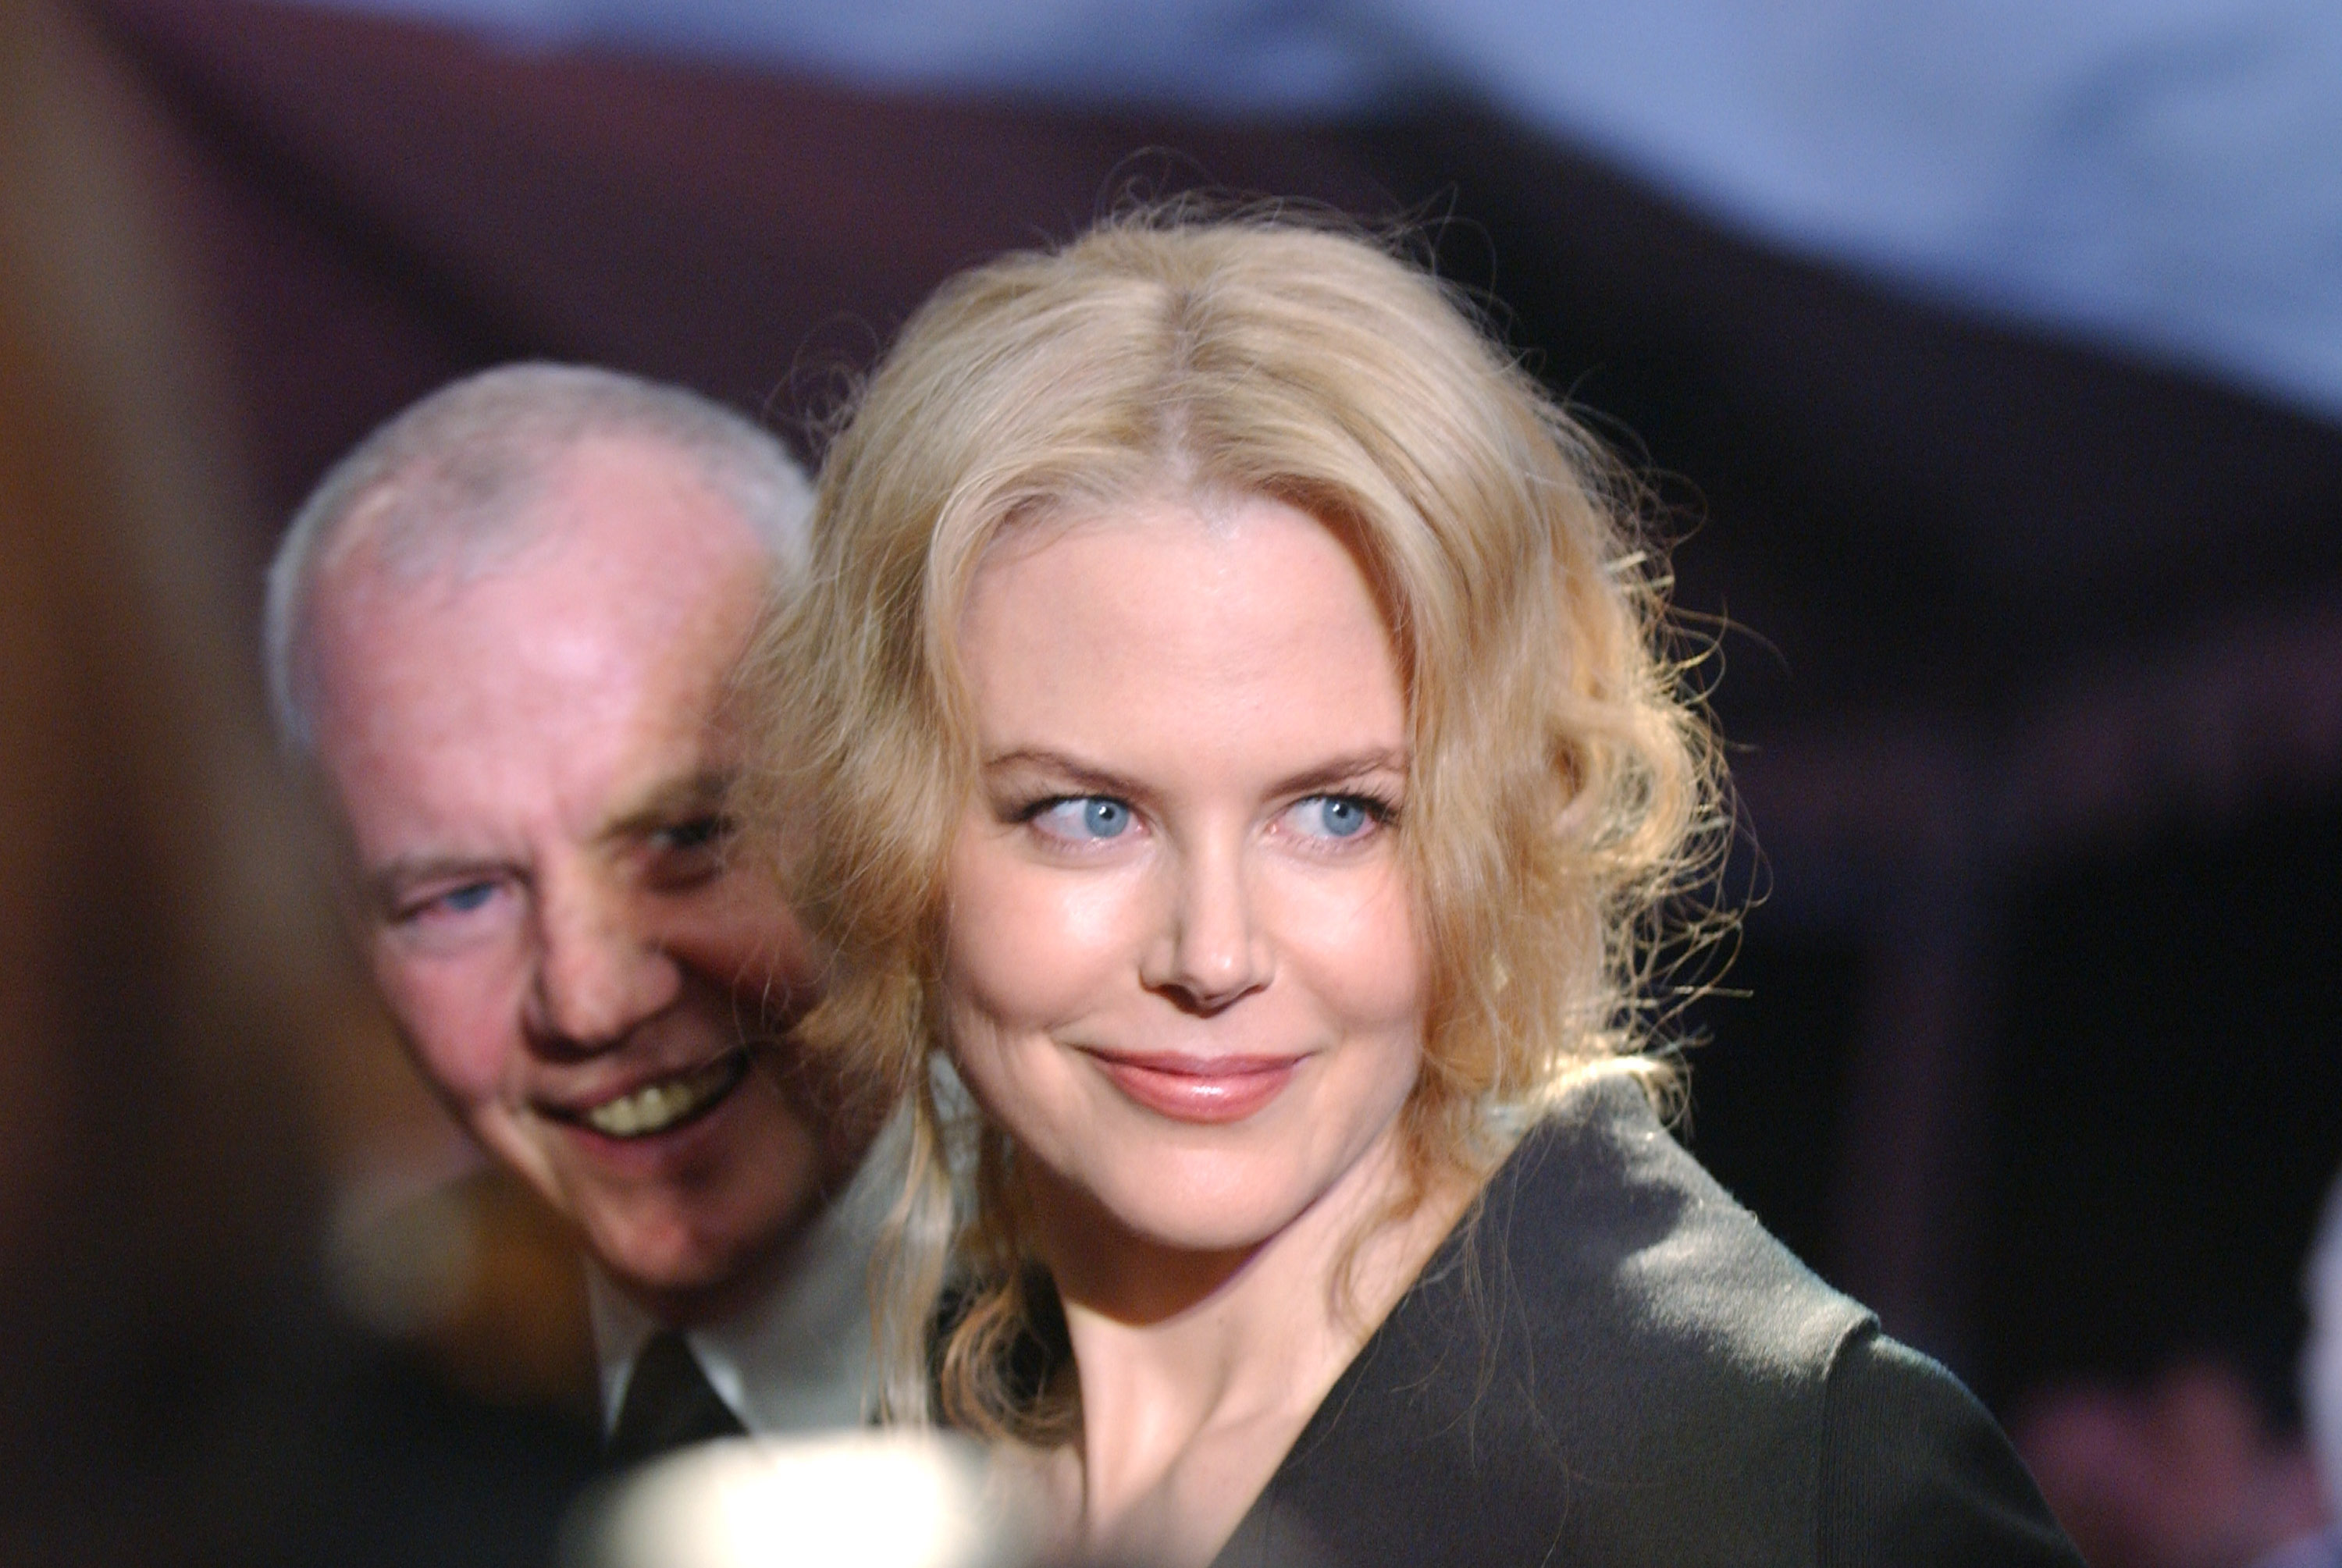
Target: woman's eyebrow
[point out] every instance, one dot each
(1350, 768)
(1356, 768)
(1058, 767)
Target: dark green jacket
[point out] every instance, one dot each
(1611, 1363)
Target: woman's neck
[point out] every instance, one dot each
(1199, 1371)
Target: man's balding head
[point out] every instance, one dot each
(447, 485)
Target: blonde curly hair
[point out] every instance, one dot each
(1563, 783)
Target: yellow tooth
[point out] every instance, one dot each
(656, 1106)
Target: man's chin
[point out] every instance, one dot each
(677, 1281)
(674, 1248)
(683, 1217)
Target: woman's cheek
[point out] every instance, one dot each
(1357, 945)
(1029, 946)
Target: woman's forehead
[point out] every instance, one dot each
(1230, 609)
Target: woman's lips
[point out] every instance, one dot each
(1206, 1089)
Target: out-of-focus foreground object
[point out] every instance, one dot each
(871, 1500)
(157, 964)
(172, 999)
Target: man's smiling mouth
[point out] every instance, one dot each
(667, 1104)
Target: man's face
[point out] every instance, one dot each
(532, 780)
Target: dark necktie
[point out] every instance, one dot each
(668, 1404)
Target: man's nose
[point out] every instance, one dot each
(598, 973)
(1212, 949)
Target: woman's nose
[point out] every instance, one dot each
(1211, 949)
(598, 973)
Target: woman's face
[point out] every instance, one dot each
(1181, 965)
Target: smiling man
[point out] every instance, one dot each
(501, 632)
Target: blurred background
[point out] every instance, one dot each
(1988, 357)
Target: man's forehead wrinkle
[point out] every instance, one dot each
(417, 689)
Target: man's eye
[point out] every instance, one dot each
(1082, 818)
(687, 855)
(700, 832)
(1337, 816)
(467, 898)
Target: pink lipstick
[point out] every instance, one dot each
(1203, 1089)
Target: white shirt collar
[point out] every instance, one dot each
(797, 1357)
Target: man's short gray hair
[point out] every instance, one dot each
(446, 479)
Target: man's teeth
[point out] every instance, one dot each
(655, 1107)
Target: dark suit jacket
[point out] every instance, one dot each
(1610, 1364)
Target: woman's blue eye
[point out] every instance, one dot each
(1090, 816)
(1334, 815)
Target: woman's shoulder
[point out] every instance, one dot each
(1608, 1357)
(1602, 1229)
(1611, 1360)
(1650, 1339)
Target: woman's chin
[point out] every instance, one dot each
(1224, 1236)
(1209, 1214)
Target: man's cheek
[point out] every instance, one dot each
(465, 1037)
(739, 936)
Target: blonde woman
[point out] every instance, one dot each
(1232, 714)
